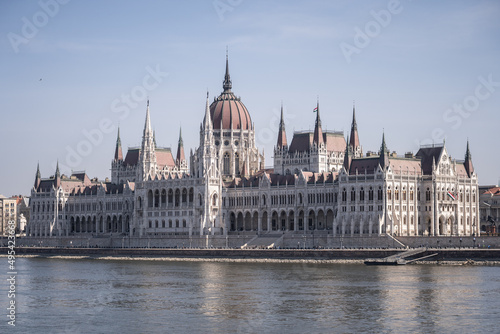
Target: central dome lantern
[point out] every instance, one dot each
(227, 111)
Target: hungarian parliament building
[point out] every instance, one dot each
(320, 181)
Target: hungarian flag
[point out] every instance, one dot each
(451, 196)
(315, 109)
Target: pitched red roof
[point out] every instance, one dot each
(164, 157)
(403, 165)
(302, 142)
(335, 142)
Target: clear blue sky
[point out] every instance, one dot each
(66, 68)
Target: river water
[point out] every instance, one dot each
(133, 296)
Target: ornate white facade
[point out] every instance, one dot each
(320, 182)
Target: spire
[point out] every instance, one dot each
(147, 156)
(180, 150)
(38, 177)
(58, 175)
(468, 161)
(318, 132)
(281, 132)
(118, 149)
(154, 138)
(227, 85)
(207, 123)
(354, 143)
(147, 123)
(384, 153)
(347, 156)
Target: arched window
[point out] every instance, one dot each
(150, 199)
(191, 195)
(227, 161)
(362, 194)
(370, 194)
(237, 163)
(389, 194)
(214, 200)
(396, 194)
(353, 195)
(170, 196)
(380, 194)
(157, 198)
(344, 195)
(428, 195)
(177, 197)
(163, 197)
(184, 195)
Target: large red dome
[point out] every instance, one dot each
(227, 111)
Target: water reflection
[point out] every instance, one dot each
(77, 296)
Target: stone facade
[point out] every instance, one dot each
(321, 183)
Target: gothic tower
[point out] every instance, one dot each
(147, 158)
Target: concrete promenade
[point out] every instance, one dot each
(287, 240)
(450, 254)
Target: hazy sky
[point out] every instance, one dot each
(72, 71)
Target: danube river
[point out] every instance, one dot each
(134, 296)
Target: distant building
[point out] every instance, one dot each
(8, 212)
(320, 182)
(489, 206)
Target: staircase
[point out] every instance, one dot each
(264, 241)
(400, 258)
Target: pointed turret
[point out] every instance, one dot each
(347, 156)
(180, 151)
(282, 143)
(318, 132)
(154, 138)
(227, 85)
(384, 153)
(354, 141)
(57, 176)
(147, 124)
(118, 149)
(38, 177)
(207, 122)
(468, 161)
